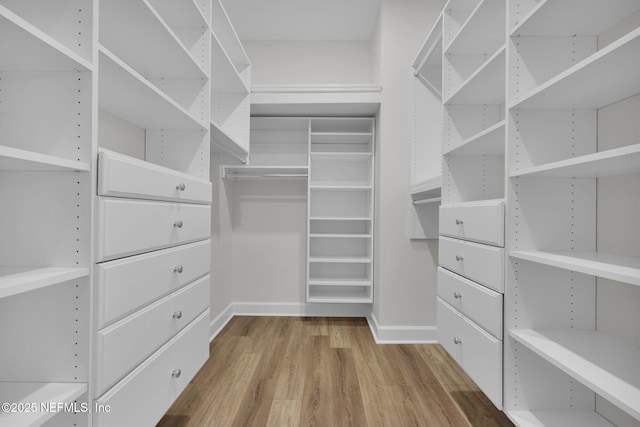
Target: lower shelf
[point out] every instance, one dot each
(43, 401)
(17, 280)
(557, 419)
(340, 293)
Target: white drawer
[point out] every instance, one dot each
(144, 395)
(124, 176)
(480, 304)
(478, 353)
(128, 227)
(127, 284)
(481, 263)
(121, 346)
(481, 221)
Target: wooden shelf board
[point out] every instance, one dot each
(600, 362)
(607, 76)
(340, 281)
(17, 280)
(340, 299)
(126, 94)
(427, 189)
(340, 259)
(340, 138)
(37, 393)
(488, 141)
(266, 172)
(557, 419)
(487, 19)
(224, 75)
(33, 50)
(588, 17)
(15, 159)
(615, 162)
(486, 85)
(139, 36)
(614, 267)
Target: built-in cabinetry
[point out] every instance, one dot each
(471, 223)
(426, 136)
(559, 367)
(47, 76)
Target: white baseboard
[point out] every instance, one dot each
(381, 334)
(401, 334)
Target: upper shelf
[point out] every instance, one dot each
(486, 85)
(483, 32)
(428, 63)
(128, 95)
(17, 280)
(225, 77)
(427, 189)
(488, 141)
(619, 161)
(588, 17)
(182, 14)
(607, 76)
(600, 362)
(15, 159)
(340, 137)
(222, 139)
(138, 35)
(33, 50)
(227, 36)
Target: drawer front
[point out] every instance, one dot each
(480, 304)
(478, 353)
(481, 222)
(129, 227)
(143, 396)
(481, 263)
(127, 284)
(124, 176)
(121, 346)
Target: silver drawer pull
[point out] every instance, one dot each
(177, 269)
(459, 221)
(181, 186)
(457, 340)
(178, 223)
(459, 258)
(176, 373)
(457, 295)
(177, 315)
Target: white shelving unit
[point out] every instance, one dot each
(230, 89)
(426, 134)
(558, 366)
(340, 210)
(46, 153)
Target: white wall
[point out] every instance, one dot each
(119, 135)
(405, 271)
(309, 62)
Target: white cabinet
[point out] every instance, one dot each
(563, 366)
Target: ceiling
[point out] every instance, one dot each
(303, 19)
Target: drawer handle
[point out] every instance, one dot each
(457, 295)
(459, 258)
(178, 269)
(178, 223)
(177, 315)
(457, 340)
(181, 186)
(176, 373)
(459, 221)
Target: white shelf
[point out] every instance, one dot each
(265, 172)
(619, 161)
(15, 159)
(340, 259)
(614, 267)
(557, 419)
(180, 14)
(488, 141)
(340, 137)
(428, 63)
(600, 362)
(32, 50)
(37, 393)
(609, 75)
(138, 35)
(486, 85)
(588, 17)
(427, 189)
(340, 281)
(228, 37)
(341, 187)
(223, 139)
(128, 95)
(340, 236)
(427, 201)
(339, 218)
(224, 75)
(487, 20)
(17, 280)
(341, 157)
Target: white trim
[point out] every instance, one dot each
(326, 88)
(301, 309)
(216, 325)
(401, 334)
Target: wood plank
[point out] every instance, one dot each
(317, 407)
(348, 409)
(284, 413)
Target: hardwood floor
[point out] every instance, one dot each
(303, 371)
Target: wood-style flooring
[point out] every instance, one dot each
(304, 371)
